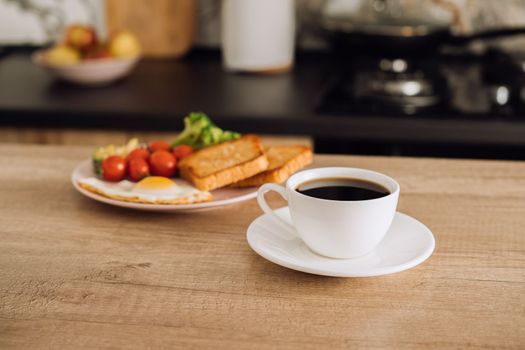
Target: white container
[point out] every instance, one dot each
(258, 35)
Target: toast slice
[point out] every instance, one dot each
(223, 164)
(284, 161)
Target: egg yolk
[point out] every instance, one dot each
(154, 183)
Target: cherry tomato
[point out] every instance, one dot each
(159, 145)
(138, 153)
(113, 168)
(163, 163)
(182, 151)
(138, 169)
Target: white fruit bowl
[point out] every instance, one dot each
(92, 72)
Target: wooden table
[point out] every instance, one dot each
(75, 273)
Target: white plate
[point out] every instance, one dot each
(408, 243)
(221, 197)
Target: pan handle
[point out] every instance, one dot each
(489, 34)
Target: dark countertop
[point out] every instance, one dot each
(158, 94)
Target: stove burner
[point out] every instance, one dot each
(453, 85)
(403, 90)
(385, 85)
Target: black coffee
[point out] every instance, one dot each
(342, 189)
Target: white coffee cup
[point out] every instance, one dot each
(334, 228)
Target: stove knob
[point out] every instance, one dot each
(500, 95)
(396, 66)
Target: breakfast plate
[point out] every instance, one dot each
(407, 244)
(221, 197)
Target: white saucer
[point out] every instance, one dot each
(408, 243)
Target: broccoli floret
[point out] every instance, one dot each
(193, 127)
(199, 132)
(229, 135)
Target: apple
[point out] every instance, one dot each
(98, 52)
(62, 55)
(124, 45)
(81, 37)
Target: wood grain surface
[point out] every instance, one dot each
(75, 273)
(97, 137)
(165, 28)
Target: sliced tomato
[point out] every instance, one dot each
(159, 145)
(163, 163)
(113, 168)
(138, 169)
(142, 153)
(182, 151)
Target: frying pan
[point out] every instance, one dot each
(401, 38)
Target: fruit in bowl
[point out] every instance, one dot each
(80, 37)
(62, 55)
(124, 44)
(82, 59)
(97, 52)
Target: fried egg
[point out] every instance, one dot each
(151, 189)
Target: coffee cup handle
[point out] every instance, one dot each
(266, 208)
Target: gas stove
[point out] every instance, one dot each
(443, 86)
(469, 87)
